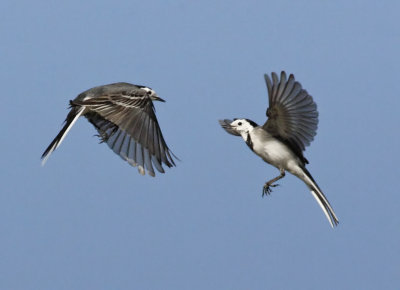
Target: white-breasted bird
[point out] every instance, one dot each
(291, 126)
(125, 119)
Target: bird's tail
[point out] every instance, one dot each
(320, 197)
(73, 115)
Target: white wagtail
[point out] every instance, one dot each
(291, 126)
(124, 116)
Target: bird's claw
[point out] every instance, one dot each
(267, 189)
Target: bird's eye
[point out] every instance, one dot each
(240, 123)
(149, 93)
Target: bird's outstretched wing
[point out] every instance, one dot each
(126, 121)
(292, 113)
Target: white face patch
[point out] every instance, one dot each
(148, 90)
(243, 127)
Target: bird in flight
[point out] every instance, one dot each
(124, 116)
(291, 126)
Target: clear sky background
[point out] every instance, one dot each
(87, 220)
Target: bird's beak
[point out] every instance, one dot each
(157, 98)
(226, 124)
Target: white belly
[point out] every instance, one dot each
(275, 153)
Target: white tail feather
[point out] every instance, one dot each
(70, 126)
(323, 207)
(58, 142)
(321, 199)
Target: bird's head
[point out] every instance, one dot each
(152, 94)
(238, 127)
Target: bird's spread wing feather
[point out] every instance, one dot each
(128, 124)
(292, 113)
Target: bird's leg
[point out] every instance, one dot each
(269, 184)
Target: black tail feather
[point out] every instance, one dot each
(71, 118)
(322, 198)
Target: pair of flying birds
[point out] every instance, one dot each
(124, 116)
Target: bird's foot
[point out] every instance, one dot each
(267, 188)
(103, 137)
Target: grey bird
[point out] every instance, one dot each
(291, 126)
(124, 116)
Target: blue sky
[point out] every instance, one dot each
(87, 220)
